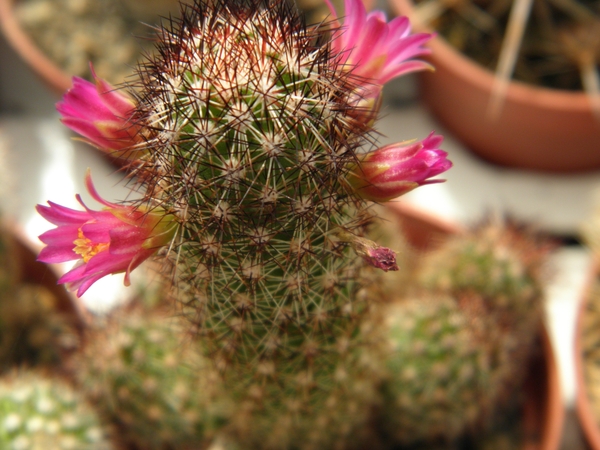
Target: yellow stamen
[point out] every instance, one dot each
(85, 248)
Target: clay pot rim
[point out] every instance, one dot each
(45, 68)
(583, 406)
(518, 91)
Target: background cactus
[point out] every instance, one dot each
(39, 413)
(460, 342)
(141, 373)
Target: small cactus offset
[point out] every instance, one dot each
(249, 138)
(140, 372)
(462, 339)
(41, 413)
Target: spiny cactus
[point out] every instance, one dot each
(505, 265)
(441, 382)
(249, 139)
(466, 349)
(41, 413)
(141, 373)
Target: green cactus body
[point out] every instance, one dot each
(248, 139)
(142, 374)
(500, 266)
(457, 361)
(40, 413)
(441, 376)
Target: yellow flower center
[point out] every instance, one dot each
(85, 247)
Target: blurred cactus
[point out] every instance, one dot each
(41, 413)
(139, 370)
(459, 345)
(32, 331)
(441, 375)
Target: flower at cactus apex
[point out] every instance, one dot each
(374, 50)
(114, 240)
(396, 169)
(99, 113)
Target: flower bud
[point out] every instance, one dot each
(101, 114)
(396, 169)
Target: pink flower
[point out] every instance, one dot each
(114, 240)
(374, 50)
(396, 169)
(99, 113)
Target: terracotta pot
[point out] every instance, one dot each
(538, 128)
(543, 409)
(52, 75)
(587, 419)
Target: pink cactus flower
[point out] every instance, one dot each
(374, 50)
(396, 169)
(114, 240)
(99, 113)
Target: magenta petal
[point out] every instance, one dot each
(61, 215)
(399, 27)
(75, 274)
(57, 254)
(372, 40)
(106, 263)
(99, 231)
(126, 240)
(118, 104)
(64, 235)
(353, 22)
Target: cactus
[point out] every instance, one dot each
(458, 346)
(142, 374)
(39, 413)
(249, 139)
(441, 375)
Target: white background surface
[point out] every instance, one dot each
(42, 163)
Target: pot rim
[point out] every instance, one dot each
(464, 67)
(44, 67)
